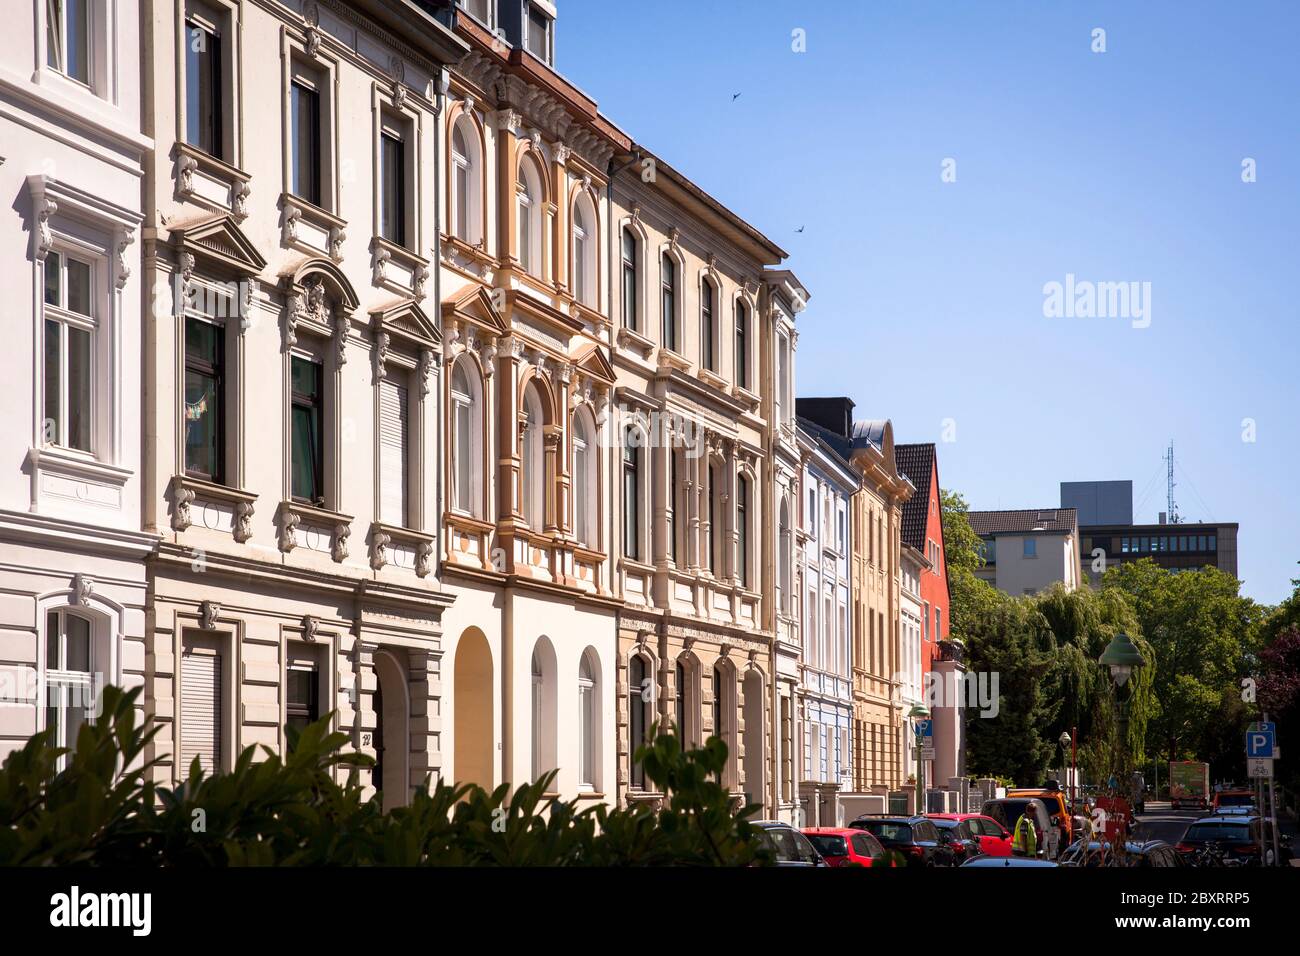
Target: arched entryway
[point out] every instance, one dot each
(472, 696)
(753, 689)
(392, 731)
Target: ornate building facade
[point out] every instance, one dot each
(292, 383)
(529, 471)
(691, 438)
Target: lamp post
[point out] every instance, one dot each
(1065, 746)
(918, 713)
(1121, 657)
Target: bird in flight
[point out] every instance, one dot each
(800, 229)
(734, 97)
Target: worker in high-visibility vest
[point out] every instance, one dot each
(1024, 840)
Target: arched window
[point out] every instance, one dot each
(724, 705)
(69, 664)
(588, 722)
(717, 702)
(543, 708)
(742, 345)
(466, 439)
(682, 715)
(465, 190)
(584, 251)
(639, 694)
(586, 483)
(529, 239)
(708, 359)
(631, 495)
(533, 483)
(668, 302)
(630, 318)
(742, 531)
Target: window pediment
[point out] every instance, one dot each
(217, 239)
(475, 304)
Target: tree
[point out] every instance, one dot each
(1202, 633)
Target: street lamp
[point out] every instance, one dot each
(919, 713)
(1064, 741)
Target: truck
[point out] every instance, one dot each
(1189, 784)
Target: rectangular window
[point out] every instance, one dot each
(308, 463)
(706, 325)
(1031, 547)
(668, 305)
(393, 457)
(581, 524)
(629, 280)
(203, 89)
(69, 329)
(672, 504)
(742, 345)
(200, 710)
(631, 526)
(67, 38)
(742, 530)
(301, 695)
(392, 188)
(305, 143)
(1214, 543)
(69, 691)
(538, 39)
(204, 400)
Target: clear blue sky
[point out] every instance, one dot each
(927, 298)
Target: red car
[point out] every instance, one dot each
(844, 846)
(994, 838)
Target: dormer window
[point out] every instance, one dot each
(480, 10)
(537, 34)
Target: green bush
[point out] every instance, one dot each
(101, 810)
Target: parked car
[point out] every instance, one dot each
(1239, 835)
(790, 847)
(994, 839)
(916, 838)
(846, 846)
(957, 834)
(1007, 810)
(1223, 799)
(1001, 862)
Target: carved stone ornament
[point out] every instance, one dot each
(185, 168)
(209, 611)
(379, 543)
(339, 548)
(342, 326)
(124, 242)
(288, 530)
(310, 628)
(297, 308)
(425, 371)
(381, 356)
(239, 200)
(419, 280)
(83, 585)
(381, 265)
(423, 558)
(337, 238)
(242, 527)
(45, 208)
(289, 225)
(182, 498)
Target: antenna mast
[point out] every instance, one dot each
(1169, 480)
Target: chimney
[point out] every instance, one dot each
(833, 414)
(1163, 517)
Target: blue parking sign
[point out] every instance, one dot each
(925, 728)
(1259, 743)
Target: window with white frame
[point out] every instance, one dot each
(68, 31)
(480, 10)
(204, 412)
(69, 669)
(742, 531)
(714, 545)
(466, 438)
(784, 558)
(202, 703)
(533, 481)
(584, 251)
(464, 202)
(586, 485)
(208, 77)
(539, 27)
(311, 141)
(394, 449)
(529, 201)
(307, 431)
(70, 326)
(631, 494)
(742, 344)
(639, 715)
(395, 179)
(588, 723)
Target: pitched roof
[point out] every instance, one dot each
(1061, 520)
(916, 462)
